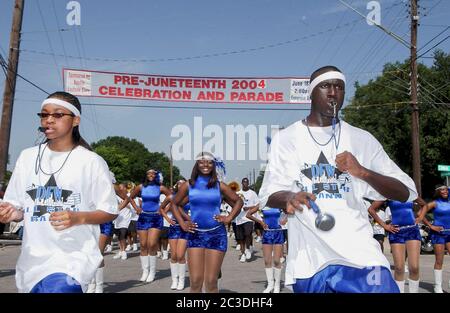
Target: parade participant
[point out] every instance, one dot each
(404, 237)
(121, 224)
(244, 226)
(328, 166)
(207, 240)
(62, 191)
(177, 240)
(132, 233)
(440, 230)
(378, 230)
(150, 221)
(272, 242)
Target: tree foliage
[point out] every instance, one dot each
(382, 107)
(129, 159)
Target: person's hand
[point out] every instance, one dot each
(188, 226)
(392, 228)
(346, 162)
(9, 213)
(297, 199)
(264, 226)
(64, 219)
(437, 229)
(222, 219)
(139, 210)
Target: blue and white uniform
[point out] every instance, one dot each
(150, 217)
(66, 260)
(274, 234)
(441, 218)
(175, 231)
(402, 216)
(204, 205)
(317, 258)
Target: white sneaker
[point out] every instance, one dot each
(158, 254)
(165, 255)
(258, 239)
(238, 247)
(282, 259)
(124, 255)
(248, 254)
(118, 255)
(406, 268)
(135, 248)
(128, 248)
(243, 258)
(251, 249)
(108, 249)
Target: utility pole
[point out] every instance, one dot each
(10, 86)
(415, 108)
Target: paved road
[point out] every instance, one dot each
(122, 276)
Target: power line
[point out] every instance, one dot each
(48, 37)
(5, 67)
(209, 55)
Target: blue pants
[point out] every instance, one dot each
(273, 237)
(346, 279)
(405, 235)
(57, 283)
(215, 239)
(149, 220)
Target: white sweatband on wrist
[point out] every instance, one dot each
(65, 104)
(323, 77)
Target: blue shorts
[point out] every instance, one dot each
(57, 283)
(273, 237)
(346, 279)
(149, 220)
(107, 229)
(175, 232)
(405, 235)
(440, 238)
(215, 239)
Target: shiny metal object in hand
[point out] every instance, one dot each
(324, 221)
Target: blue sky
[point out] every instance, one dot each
(295, 37)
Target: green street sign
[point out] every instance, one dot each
(443, 168)
(445, 174)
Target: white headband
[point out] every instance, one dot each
(205, 156)
(65, 104)
(323, 77)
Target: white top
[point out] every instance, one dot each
(297, 163)
(134, 215)
(377, 228)
(250, 199)
(83, 184)
(124, 218)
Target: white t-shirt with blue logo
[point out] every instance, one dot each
(298, 163)
(82, 184)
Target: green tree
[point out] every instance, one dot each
(129, 159)
(382, 107)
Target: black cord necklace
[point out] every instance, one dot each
(333, 134)
(40, 156)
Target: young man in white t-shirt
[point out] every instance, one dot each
(330, 162)
(244, 226)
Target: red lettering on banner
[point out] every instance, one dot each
(126, 80)
(103, 90)
(256, 97)
(211, 95)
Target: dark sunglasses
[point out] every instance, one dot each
(54, 115)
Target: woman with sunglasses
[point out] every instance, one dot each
(207, 240)
(150, 222)
(62, 191)
(440, 230)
